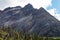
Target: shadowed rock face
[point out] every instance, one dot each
(31, 20)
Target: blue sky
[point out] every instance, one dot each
(55, 8)
(52, 6)
(55, 4)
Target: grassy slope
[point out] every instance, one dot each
(10, 34)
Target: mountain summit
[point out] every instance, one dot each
(28, 6)
(30, 20)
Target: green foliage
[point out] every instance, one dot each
(11, 34)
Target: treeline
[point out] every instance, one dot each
(11, 34)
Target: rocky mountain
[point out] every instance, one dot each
(30, 20)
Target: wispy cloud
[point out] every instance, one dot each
(55, 13)
(35, 3)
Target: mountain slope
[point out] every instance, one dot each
(30, 20)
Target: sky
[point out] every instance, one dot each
(52, 6)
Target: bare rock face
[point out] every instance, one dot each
(31, 20)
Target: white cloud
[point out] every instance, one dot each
(52, 11)
(58, 16)
(35, 3)
(55, 13)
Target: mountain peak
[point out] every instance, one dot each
(41, 8)
(28, 6)
(7, 8)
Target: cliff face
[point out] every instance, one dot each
(36, 21)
